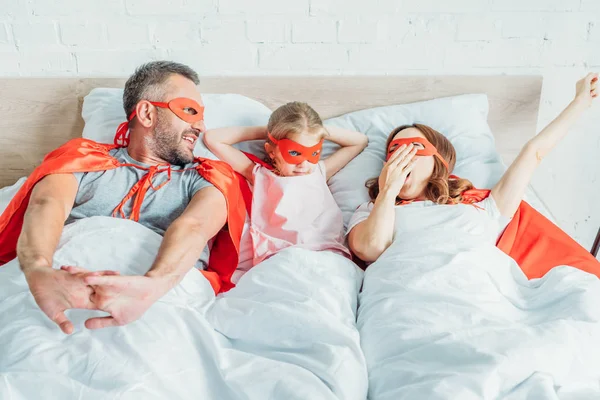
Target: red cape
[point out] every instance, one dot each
(82, 155)
(536, 244)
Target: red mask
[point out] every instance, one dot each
(427, 150)
(295, 153)
(186, 109)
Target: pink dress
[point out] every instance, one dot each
(296, 211)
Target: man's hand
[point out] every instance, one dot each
(125, 298)
(56, 291)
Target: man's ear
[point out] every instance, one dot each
(147, 114)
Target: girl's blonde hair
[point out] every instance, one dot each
(440, 188)
(295, 118)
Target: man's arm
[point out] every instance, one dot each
(188, 235)
(54, 291)
(49, 206)
(126, 298)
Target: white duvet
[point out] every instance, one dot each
(286, 332)
(443, 316)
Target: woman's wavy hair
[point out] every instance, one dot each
(440, 189)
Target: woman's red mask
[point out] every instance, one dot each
(294, 153)
(186, 109)
(424, 148)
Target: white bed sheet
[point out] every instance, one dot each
(447, 315)
(286, 332)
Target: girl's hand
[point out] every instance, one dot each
(396, 169)
(587, 90)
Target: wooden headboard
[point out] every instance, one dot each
(39, 114)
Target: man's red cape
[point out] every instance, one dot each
(82, 155)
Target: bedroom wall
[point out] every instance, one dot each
(559, 39)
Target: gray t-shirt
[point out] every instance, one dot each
(101, 192)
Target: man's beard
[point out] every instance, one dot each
(167, 145)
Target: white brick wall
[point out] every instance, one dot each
(557, 38)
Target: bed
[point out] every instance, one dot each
(257, 342)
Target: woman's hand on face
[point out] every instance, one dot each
(587, 89)
(396, 169)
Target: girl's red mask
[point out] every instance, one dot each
(186, 109)
(294, 153)
(427, 150)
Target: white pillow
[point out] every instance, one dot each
(8, 192)
(462, 119)
(103, 112)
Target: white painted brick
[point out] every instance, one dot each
(111, 63)
(507, 53)
(36, 63)
(594, 33)
(337, 8)
(175, 34)
(395, 29)
(293, 7)
(267, 31)
(439, 28)
(85, 8)
(184, 9)
(535, 5)
(88, 34)
(358, 31)
(522, 25)
(226, 31)
(590, 5)
(444, 6)
(10, 63)
(475, 27)
(314, 31)
(14, 9)
(563, 54)
(592, 56)
(396, 58)
(4, 37)
(569, 27)
(215, 60)
(35, 35)
(303, 57)
(128, 33)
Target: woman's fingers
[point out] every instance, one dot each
(396, 153)
(401, 163)
(402, 154)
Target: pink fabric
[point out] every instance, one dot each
(294, 211)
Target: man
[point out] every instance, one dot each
(154, 180)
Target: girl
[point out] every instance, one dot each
(291, 202)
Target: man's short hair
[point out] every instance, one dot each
(147, 82)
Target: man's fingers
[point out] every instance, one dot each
(105, 280)
(101, 322)
(73, 269)
(78, 270)
(63, 322)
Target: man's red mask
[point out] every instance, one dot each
(186, 109)
(425, 148)
(294, 153)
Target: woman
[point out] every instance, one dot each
(444, 313)
(418, 169)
